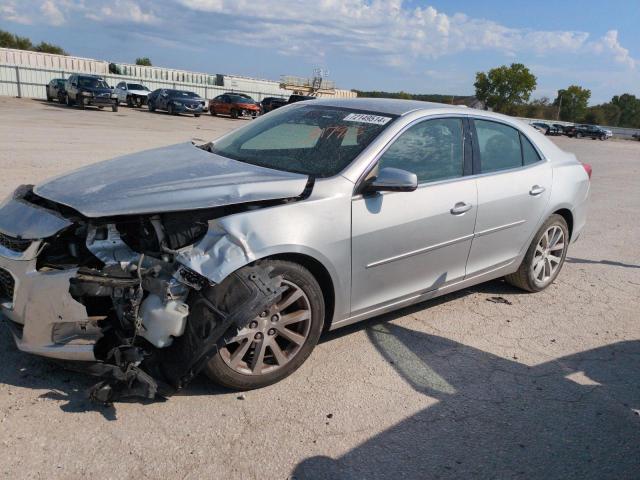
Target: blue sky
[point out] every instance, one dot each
(417, 46)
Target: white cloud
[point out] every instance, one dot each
(10, 12)
(58, 12)
(610, 45)
(52, 13)
(123, 10)
(386, 28)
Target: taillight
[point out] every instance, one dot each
(588, 169)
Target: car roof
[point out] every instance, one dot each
(391, 106)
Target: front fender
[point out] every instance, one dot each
(318, 228)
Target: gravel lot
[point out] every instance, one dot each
(544, 386)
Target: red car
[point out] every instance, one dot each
(235, 105)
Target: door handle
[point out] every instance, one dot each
(460, 207)
(536, 190)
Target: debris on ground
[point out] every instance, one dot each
(499, 300)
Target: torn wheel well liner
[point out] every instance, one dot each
(321, 274)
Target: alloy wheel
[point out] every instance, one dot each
(273, 338)
(548, 255)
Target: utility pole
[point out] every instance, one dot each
(559, 107)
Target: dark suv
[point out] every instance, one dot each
(89, 90)
(300, 98)
(271, 103)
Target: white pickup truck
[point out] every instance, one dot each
(134, 94)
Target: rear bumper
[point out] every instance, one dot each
(43, 317)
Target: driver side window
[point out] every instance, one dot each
(432, 149)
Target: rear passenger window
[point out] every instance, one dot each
(432, 149)
(499, 146)
(529, 154)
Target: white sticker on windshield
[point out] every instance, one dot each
(366, 118)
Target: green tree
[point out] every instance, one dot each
(572, 103)
(505, 88)
(49, 48)
(629, 107)
(144, 61)
(606, 114)
(9, 40)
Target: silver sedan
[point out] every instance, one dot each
(232, 257)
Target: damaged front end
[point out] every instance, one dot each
(118, 292)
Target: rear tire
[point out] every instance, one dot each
(114, 107)
(544, 258)
(151, 107)
(237, 372)
(68, 101)
(171, 110)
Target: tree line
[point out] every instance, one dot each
(9, 40)
(507, 89)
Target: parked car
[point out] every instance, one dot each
(300, 98)
(55, 90)
(546, 128)
(89, 90)
(234, 105)
(636, 136)
(271, 103)
(134, 94)
(590, 131)
(234, 256)
(175, 102)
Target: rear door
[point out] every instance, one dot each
(514, 186)
(408, 243)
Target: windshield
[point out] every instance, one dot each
(314, 140)
(182, 93)
(239, 99)
(90, 82)
(136, 86)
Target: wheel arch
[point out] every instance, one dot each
(568, 217)
(321, 274)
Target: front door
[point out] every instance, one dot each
(407, 243)
(513, 192)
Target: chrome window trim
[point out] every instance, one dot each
(470, 117)
(543, 158)
(386, 146)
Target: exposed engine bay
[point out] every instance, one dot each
(157, 321)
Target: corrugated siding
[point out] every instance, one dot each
(35, 70)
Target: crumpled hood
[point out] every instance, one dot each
(175, 178)
(139, 92)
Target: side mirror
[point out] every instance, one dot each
(391, 180)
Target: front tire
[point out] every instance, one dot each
(544, 258)
(114, 107)
(278, 341)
